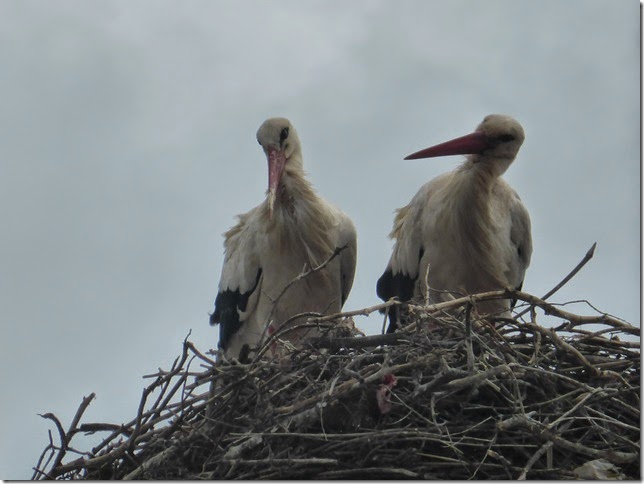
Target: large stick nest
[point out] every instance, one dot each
(450, 396)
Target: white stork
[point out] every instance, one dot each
(465, 231)
(293, 231)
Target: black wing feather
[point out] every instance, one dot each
(228, 304)
(399, 286)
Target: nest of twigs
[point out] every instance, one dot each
(450, 396)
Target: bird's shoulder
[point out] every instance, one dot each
(242, 254)
(508, 197)
(406, 217)
(345, 227)
(347, 240)
(339, 225)
(521, 231)
(245, 231)
(511, 210)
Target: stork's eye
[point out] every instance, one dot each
(506, 137)
(283, 134)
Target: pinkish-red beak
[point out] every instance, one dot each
(475, 142)
(276, 161)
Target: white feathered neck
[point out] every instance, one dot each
(301, 218)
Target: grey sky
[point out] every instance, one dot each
(128, 146)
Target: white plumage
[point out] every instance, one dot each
(291, 232)
(465, 231)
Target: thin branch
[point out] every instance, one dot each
(303, 275)
(564, 281)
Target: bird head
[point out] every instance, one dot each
(497, 137)
(503, 136)
(281, 145)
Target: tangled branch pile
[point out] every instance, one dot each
(448, 397)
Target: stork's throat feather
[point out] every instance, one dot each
(302, 223)
(472, 223)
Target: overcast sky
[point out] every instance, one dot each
(128, 145)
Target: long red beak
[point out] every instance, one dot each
(475, 142)
(276, 162)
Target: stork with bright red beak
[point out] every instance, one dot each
(465, 231)
(292, 232)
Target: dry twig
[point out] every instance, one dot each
(515, 401)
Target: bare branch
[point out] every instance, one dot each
(564, 281)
